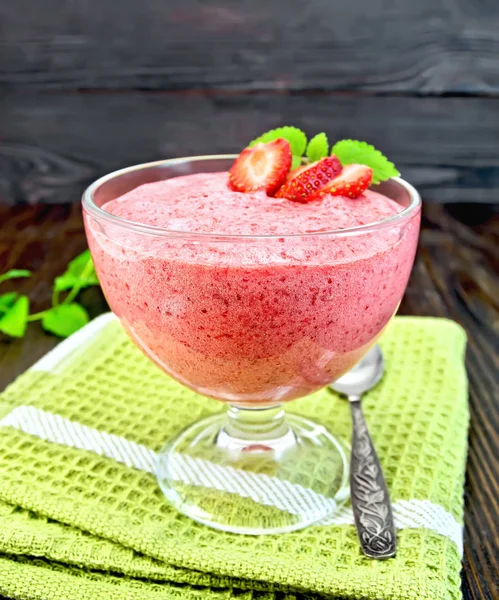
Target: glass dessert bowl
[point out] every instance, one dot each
(251, 319)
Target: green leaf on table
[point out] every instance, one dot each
(15, 274)
(14, 320)
(318, 147)
(7, 301)
(65, 319)
(356, 152)
(80, 272)
(296, 138)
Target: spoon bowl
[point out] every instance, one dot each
(364, 376)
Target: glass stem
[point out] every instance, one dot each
(256, 424)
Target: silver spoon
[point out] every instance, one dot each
(370, 500)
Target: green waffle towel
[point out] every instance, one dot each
(81, 516)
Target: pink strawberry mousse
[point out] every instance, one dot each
(252, 319)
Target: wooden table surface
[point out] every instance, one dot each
(454, 276)
(86, 91)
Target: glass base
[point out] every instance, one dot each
(255, 471)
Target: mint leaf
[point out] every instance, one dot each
(318, 147)
(295, 162)
(7, 301)
(65, 319)
(80, 272)
(353, 151)
(14, 274)
(296, 138)
(14, 321)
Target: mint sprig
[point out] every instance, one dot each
(356, 152)
(296, 138)
(64, 317)
(14, 307)
(7, 302)
(317, 147)
(14, 319)
(80, 272)
(15, 274)
(348, 151)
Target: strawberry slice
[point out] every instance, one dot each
(306, 182)
(351, 182)
(296, 172)
(261, 167)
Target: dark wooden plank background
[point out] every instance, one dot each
(89, 87)
(86, 87)
(385, 46)
(55, 143)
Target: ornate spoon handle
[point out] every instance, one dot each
(370, 500)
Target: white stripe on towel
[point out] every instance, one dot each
(261, 488)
